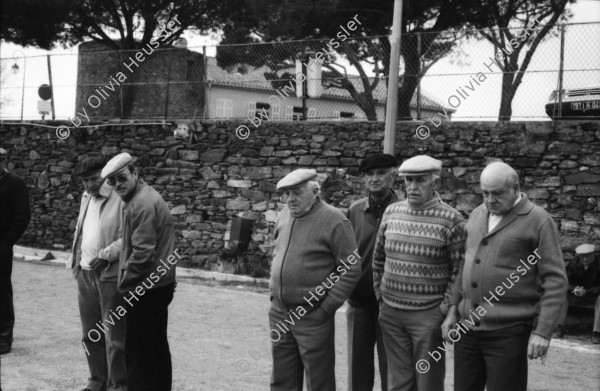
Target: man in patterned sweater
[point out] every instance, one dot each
(419, 249)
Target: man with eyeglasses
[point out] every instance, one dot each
(14, 218)
(315, 268)
(94, 262)
(148, 242)
(364, 332)
(418, 252)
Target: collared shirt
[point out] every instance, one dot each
(493, 219)
(90, 232)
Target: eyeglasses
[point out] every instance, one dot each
(118, 178)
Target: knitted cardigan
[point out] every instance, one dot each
(418, 252)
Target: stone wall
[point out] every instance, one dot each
(210, 179)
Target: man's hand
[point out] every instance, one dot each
(579, 291)
(538, 347)
(449, 322)
(98, 263)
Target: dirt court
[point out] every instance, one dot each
(219, 340)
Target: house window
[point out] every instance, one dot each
(260, 106)
(224, 108)
(297, 113)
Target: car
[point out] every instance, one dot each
(577, 103)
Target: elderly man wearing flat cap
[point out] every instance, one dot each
(14, 218)
(583, 273)
(149, 283)
(364, 332)
(511, 287)
(315, 268)
(94, 262)
(418, 252)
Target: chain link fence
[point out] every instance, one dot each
(459, 75)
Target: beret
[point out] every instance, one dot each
(377, 160)
(420, 165)
(296, 178)
(88, 166)
(116, 164)
(585, 249)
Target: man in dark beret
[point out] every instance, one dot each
(94, 262)
(377, 171)
(14, 218)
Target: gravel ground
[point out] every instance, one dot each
(219, 340)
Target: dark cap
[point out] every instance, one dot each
(377, 160)
(89, 166)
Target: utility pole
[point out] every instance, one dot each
(391, 111)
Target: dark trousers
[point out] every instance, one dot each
(308, 347)
(364, 333)
(7, 310)
(146, 347)
(493, 359)
(104, 342)
(409, 336)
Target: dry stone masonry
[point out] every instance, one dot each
(216, 176)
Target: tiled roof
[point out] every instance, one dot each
(254, 79)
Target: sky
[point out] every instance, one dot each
(582, 51)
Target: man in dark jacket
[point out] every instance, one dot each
(15, 215)
(146, 276)
(363, 310)
(583, 274)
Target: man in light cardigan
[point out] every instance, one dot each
(512, 251)
(315, 268)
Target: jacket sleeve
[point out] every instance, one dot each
(456, 252)
(112, 251)
(19, 201)
(379, 258)
(551, 272)
(143, 244)
(342, 247)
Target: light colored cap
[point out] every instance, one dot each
(3, 152)
(116, 164)
(585, 249)
(296, 178)
(420, 165)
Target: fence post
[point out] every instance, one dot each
(419, 76)
(205, 82)
(168, 84)
(561, 68)
(23, 86)
(51, 91)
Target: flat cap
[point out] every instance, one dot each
(585, 249)
(3, 152)
(420, 165)
(89, 165)
(116, 164)
(296, 178)
(377, 160)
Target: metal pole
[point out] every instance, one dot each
(23, 87)
(560, 71)
(205, 82)
(391, 111)
(51, 90)
(304, 83)
(419, 79)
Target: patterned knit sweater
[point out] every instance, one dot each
(418, 252)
